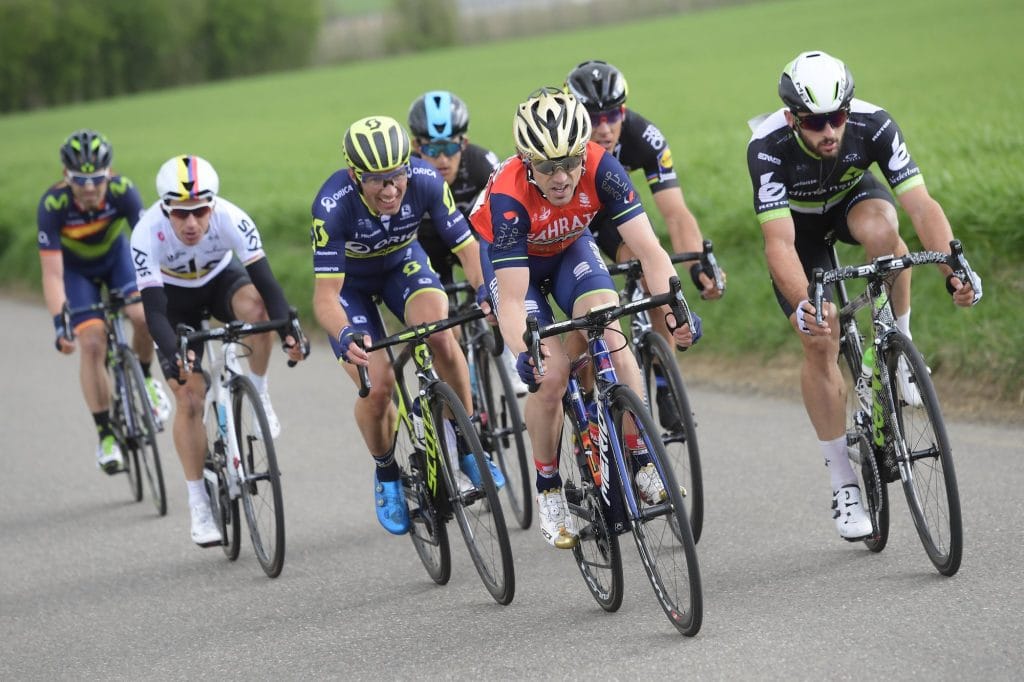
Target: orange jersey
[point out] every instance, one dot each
(518, 221)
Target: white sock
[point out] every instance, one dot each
(903, 323)
(838, 462)
(197, 493)
(259, 381)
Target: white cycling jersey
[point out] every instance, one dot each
(161, 258)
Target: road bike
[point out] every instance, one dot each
(241, 461)
(433, 435)
(601, 486)
(133, 418)
(895, 430)
(496, 408)
(664, 387)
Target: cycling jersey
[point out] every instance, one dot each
(85, 237)
(350, 238)
(789, 178)
(641, 145)
(518, 221)
(475, 167)
(161, 258)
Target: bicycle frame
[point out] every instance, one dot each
(217, 406)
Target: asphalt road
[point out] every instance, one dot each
(94, 586)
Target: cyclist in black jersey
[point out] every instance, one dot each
(439, 121)
(637, 144)
(808, 163)
(83, 247)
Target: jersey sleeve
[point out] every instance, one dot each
(242, 234)
(653, 155)
(50, 217)
(451, 225)
(126, 196)
(888, 148)
(771, 199)
(510, 225)
(145, 259)
(616, 191)
(327, 234)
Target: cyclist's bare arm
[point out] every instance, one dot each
(935, 233)
(684, 232)
(469, 258)
(512, 284)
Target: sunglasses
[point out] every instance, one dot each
(83, 179)
(611, 117)
(183, 212)
(379, 179)
(566, 163)
(816, 122)
(434, 149)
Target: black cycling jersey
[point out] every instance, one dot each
(475, 168)
(789, 179)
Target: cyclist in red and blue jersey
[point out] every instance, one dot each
(534, 219)
(808, 164)
(83, 247)
(365, 219)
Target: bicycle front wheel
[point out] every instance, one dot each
(140, 434)
(427, 528)
(597, 553)
(503, 433)
(477, 511)
(660, 527)
(225, 509)
(925, 455)
(261, 482)
(670, 405)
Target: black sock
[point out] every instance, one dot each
(145, 368)
(387, 467)
(102, 420)
(545, 483)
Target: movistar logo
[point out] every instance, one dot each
(56, 203)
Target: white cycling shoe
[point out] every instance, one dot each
(556, 523)
(204, 531)
(159, 400)
(907, 384)
(852, 521)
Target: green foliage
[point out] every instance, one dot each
(54, 52)
(423, 24)
(275, 138)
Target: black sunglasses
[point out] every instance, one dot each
(817, 122)
(566, 163)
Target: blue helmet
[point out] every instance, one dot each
(438, 115)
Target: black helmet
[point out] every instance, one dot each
(816, 83)
(438, 115)
(598, 85)
(86, 151)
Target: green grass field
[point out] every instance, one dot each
(946, 70)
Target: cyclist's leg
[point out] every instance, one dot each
(871, 220)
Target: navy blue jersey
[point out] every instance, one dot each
(86, 236)
(348, 237)
(475, 168)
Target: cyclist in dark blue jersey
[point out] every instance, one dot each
(365, 220)
(808, 164)
(83, 247)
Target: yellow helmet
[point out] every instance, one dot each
(376, 144)
(551, 124)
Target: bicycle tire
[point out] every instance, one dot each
(662, 532)
(923, 448)
(427, 528)
(679, 428)
(597, 554)
(262, 498)
(861, 454)
(224, 507)
(142, 431)
(479, 513)
(119, 401)
(503, 432)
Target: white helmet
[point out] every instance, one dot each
(185, 178)
(816, 83)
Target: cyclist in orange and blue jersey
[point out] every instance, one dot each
(83, 247)
(365, 219)
(534, 219)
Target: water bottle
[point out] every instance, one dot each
(417, 418)
(594, 456)
(867, 366)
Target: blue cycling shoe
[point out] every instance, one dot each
(392, 510)
(468, 465)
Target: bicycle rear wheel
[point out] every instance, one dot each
(670, 405)
(502, 432)
(261, 485)
(140, 433)
(225, 509)
(427, 528)
(862, 456)
(478, 512)
(597, 553)
(923, 449)
(662, 531)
